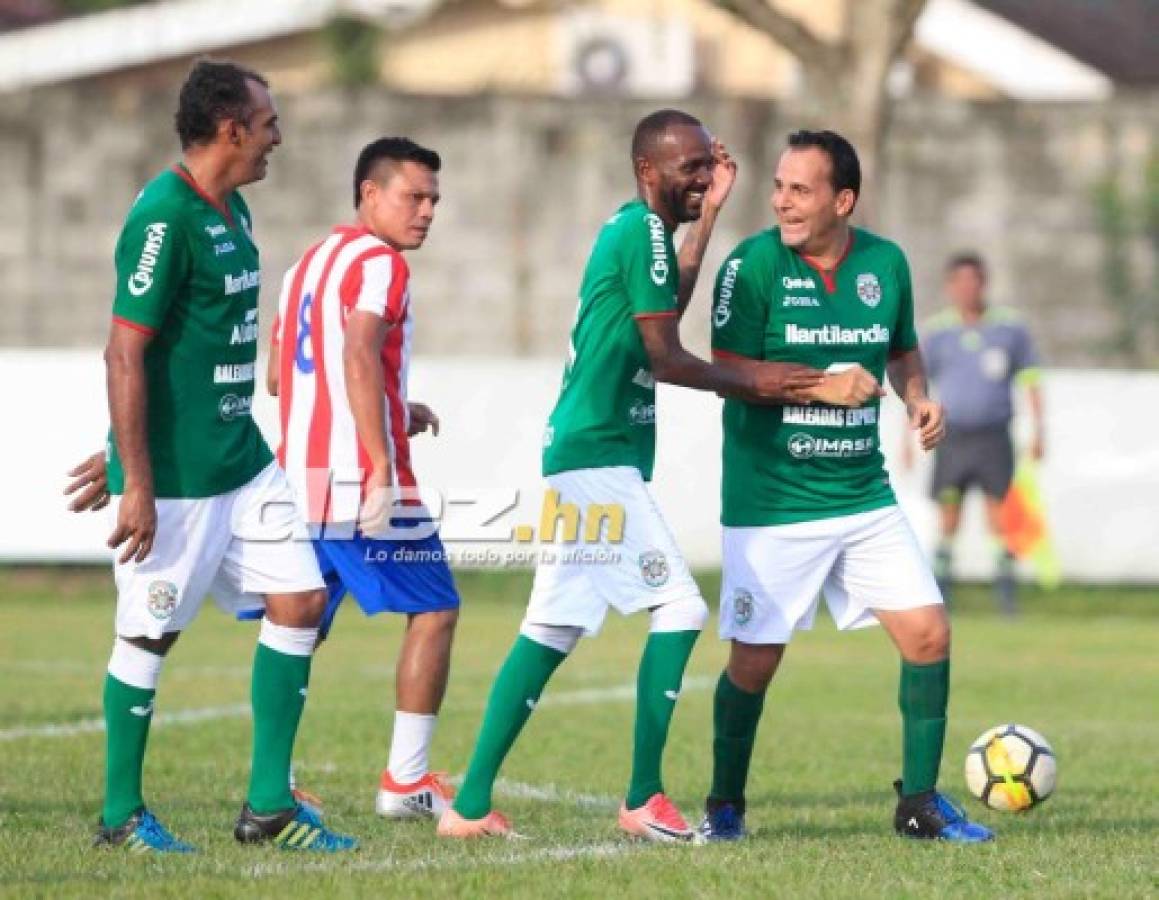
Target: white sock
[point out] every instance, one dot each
(131, 665)
(410, 746)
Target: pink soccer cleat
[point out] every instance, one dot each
(657, 820)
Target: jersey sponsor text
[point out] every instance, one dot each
(659, 270)
(723, 310)
(835, 334)
(233, 374)
(142, 279)
(826, 416)
(247, 279)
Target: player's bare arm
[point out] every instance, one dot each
(797, 382)
(671, 363)
(422, 419)
(90, 484)
(272, 369)
(926, 416)
(365, 390)
(125, 366)
(695, 242)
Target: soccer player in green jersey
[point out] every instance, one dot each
(199, 503)
(598, 455)
(807, 507)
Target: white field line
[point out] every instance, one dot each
(549, 793)
(94, 725)
(427, 864)
(619, 692)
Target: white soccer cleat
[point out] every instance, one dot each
(427, 798)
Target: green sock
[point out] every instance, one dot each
(922, 697)
(128, 712)
(657, 687)
(278, 696)
(514, 694)
(736, 714)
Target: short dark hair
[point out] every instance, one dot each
(393, 149)
(965, 258)
(844, 164)
(652, 126)
(213, 91)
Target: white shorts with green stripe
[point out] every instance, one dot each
(775, 575)
(623, 555)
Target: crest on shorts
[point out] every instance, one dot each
(742, 607)
(868, 289)
(162, 599)
(654, 568)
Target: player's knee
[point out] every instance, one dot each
(298, 610)
(930, 643)
(135, 665)
(751, 666)
(561, 638)
(687, 614)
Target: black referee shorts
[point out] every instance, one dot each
(982, 457)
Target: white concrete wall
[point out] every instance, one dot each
(1100, 480)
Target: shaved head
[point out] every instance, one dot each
(652, 128)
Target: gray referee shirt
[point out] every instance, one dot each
(973, 367)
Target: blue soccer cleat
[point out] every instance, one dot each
(723, 820)
(933, 816)
(297, 828)
(142, 833)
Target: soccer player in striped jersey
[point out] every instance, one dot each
(338, 364)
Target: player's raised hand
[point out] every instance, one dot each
(928, 419)
(136, 524)
(90, 484)
(851, 387)
(723, 175)
(422, 417)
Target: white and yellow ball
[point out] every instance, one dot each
(1011, 768)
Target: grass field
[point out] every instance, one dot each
(1081, 666)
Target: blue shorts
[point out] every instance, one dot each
(401, 576)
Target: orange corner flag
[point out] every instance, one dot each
(1024, 528)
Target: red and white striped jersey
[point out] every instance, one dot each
(351, 269)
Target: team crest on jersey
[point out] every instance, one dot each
(868, 289)
(162, 599)
(742, 607)
(654, 568)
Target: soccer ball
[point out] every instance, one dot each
(1011, 768)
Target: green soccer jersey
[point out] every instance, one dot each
(188, 273)
(606, 412)
(786, 464)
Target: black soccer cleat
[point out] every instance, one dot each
(933, 816)
(296, 828)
